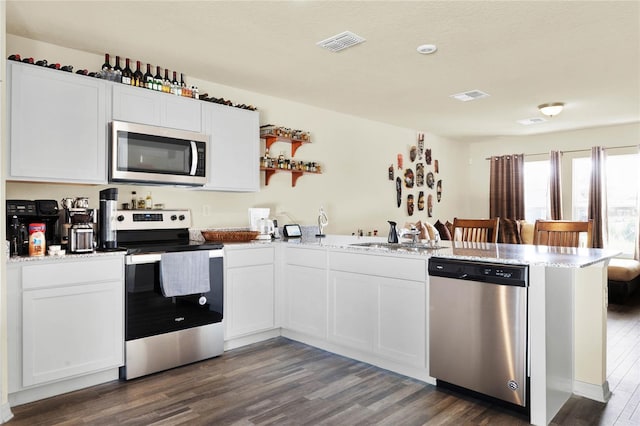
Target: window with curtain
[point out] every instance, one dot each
(536, 190)
(621, 198)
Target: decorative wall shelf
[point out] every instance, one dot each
(295, 174)
(295, 143)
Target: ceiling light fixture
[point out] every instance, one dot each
(427, 49)
(551, 109)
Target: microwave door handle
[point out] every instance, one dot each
(194, 158)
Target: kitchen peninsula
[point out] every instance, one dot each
(371, 304)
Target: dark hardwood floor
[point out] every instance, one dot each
(281, 382)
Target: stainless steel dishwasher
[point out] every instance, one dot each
(478, 327)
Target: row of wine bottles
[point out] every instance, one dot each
(147, 80)
(137, 78)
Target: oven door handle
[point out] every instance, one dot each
(139, 259)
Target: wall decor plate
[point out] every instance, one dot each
(439, 190)
(398, 191)
(419, 174)
(427, 156)
(430, 206)
(420, 148)
(410, 204)
(421, 200)
(430, 180)
(391, 173)
(409, 178)
(436, 166)
(400, 161)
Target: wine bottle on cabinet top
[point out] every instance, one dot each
(175, 86)
(117, 71)
(127, 75)
(166, 83)
(137, 76)
(106, 66)
(157, 80)
(148, 78)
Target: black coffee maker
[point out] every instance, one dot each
(21, 214)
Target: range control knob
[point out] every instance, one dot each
(181, 217)
(173, 217)
(120, 218)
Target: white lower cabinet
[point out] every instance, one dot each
(249, 290)
(65, 321)
(379, 314)
(305, 288)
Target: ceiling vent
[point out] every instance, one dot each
(341, 41)
(530, 121)
(471, 95)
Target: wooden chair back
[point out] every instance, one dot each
(562, 233)
(476, 230)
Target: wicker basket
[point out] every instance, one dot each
(229, 236)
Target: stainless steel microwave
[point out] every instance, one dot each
(157, 155)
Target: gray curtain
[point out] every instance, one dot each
(506, 187)
(598, 197)
(555, 186)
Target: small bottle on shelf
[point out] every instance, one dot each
(106, 66)
(166, 83)
(148, 202)
(134, 200)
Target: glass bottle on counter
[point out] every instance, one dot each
(134, 200)
(148, 202)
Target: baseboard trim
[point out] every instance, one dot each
(5, 413)
(600, 393)
(238, 342)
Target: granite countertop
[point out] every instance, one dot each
(20, 259)
(521, 254)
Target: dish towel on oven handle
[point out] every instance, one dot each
(183, 273)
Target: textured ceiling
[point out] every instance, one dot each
(522, 53)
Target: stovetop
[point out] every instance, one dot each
(157, 231)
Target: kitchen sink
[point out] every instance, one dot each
(398, 246)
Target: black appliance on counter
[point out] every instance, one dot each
(165, 332)
(21, 214)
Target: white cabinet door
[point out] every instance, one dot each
(250, 300)
(233, 163)
(306, 300)
(71, 330)
(139, 105)
(352, 310)
(58, 127)
(402, 322)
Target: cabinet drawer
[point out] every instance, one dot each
(72, 272)
(383, 266)
(249, 256)
(312, 258)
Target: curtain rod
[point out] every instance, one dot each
(574, 150)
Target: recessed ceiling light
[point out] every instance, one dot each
(427, 49)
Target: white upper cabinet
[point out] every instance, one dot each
(138, 105)
(57, 126)
(234, 151)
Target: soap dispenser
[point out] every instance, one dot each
(393, 233)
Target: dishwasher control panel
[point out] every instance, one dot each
(496, 273)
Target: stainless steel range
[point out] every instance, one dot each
(173, 301)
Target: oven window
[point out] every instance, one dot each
(149, 313)
(153, 154)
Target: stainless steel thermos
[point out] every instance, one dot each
(108, 207)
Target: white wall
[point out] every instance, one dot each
(612, 136)
(354, 153)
